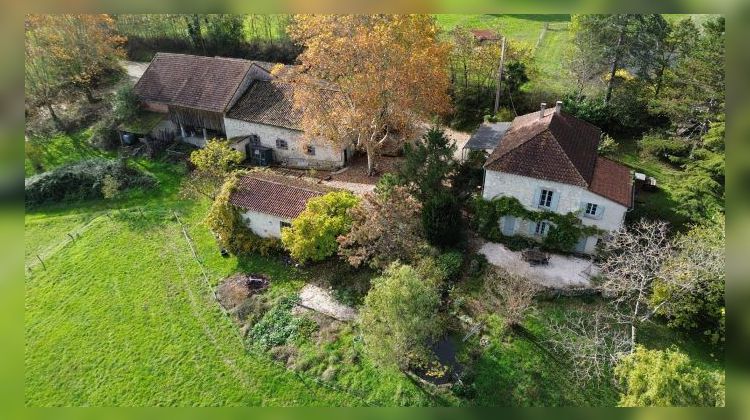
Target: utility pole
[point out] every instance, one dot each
(499, 76)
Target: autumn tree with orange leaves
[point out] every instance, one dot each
(390, 71)
(68, 53)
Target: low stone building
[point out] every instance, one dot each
(548, 160)
(241, 100)
(265, 117)
(195, 92)
(269, 202)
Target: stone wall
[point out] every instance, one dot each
(327, 156)
(264, 225)
(570, 199)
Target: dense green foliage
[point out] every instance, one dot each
(278, 326)
(231, 232)
(442, 220)
(314, 233)
(428, 166)
(690, 292)
(256, 37)
(212, 164)
(125, 103)
(666, 378)
(82, 180)
(565, 231)
(400, 317)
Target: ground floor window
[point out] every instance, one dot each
(542, 228)
(281, 144)
(310, 150)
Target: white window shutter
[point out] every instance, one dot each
(555, 200)
(537, 195)
(599, 211)
(532, 228)
(582, 207)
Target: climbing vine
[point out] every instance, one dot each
(565, 229)
(230, 230)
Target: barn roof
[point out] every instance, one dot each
(190, 81)
(272, 103)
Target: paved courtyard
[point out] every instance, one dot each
(562, 272)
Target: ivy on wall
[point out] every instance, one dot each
(225, 221)
(565, 229)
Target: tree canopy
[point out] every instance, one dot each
(313, 234)
(390, 69)
(400, 317)
(69, 52)
(666, 378)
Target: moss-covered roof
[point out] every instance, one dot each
(143, 123)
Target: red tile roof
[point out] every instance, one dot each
(612, 180)
(191, 81)
(557, 147)
(562, 148)
(485, 34)
(272, 196)
(272, 103)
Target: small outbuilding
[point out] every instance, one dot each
(486, 138)
(269, 202)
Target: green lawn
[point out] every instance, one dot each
(549, 55)
(122, 314)
(51, 153)
(658, 204)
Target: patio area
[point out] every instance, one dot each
(562, 272)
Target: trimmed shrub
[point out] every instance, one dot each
(83, 180)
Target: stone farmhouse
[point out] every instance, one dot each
(548, 160)
(240, 100)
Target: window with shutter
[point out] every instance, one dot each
(545, 198)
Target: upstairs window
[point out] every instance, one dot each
(590, 210)
(283, 225)
(281, 144)
(310, 150)
(545, 198)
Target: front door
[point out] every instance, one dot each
(509, 225)
(581, 245)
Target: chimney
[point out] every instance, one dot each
(558, 107)
(541, 110)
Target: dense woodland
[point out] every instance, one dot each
(655, 84)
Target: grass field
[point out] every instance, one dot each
(658, 204)
(120, 313)
(550, 46)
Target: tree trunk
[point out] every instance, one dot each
(55, 118)
(90, 95)
(613, 70)
(370, 159)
